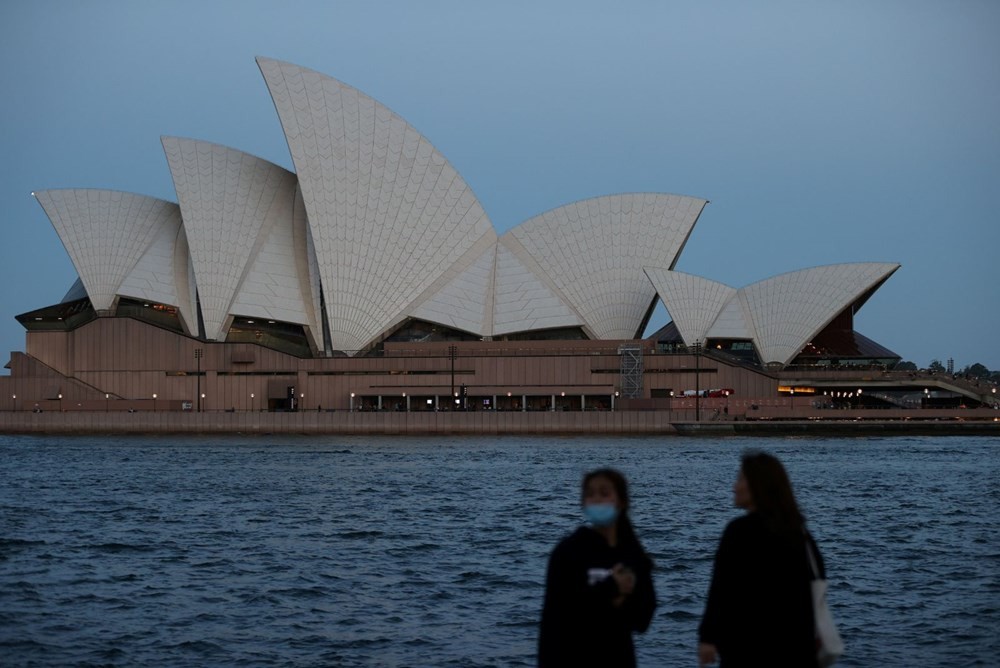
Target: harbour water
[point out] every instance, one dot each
(347, 551)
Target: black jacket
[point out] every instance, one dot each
(759, 610)
(580, 625)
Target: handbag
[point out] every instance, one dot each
(828, 641)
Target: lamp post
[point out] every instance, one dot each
(154, 402)
(352, 402)
(107, 402)
(253, 405)
(697, 381)
(198, 352)
(60, 402)
(452, 351)
(14, 397)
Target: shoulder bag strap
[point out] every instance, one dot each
(814, 567)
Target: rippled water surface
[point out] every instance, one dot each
(270, 551)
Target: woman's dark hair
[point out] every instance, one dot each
(626, 532)
(771, 491)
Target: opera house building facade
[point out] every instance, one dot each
(372, 279)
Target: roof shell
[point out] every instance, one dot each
(233, 205)
(780, 314)
(592, 252)
(281, 283)
(164, 273)
(788, 310)
(105, 233)
(388, 213)
(694, 303)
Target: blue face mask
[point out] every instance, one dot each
(600, 514)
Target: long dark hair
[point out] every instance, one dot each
(771, 491)
(626, 532)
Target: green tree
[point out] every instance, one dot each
(936, 366)
(906, 366)
(976, 371)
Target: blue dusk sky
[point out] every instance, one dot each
(821, 132)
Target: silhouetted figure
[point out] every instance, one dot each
(759, 610)
(598, 588)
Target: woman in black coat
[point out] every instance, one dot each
(759, 610)
(599, 587)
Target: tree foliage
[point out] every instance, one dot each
(976, 371)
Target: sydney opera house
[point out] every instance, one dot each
(371, 278)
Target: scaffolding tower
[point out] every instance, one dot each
(631, 377)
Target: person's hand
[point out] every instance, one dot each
(707, 654)
(624, 578)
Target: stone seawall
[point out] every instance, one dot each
(620, 422)
(340, 422)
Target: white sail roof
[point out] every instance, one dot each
(105, 233)
(524, 298)
(780, 314)
(164, 274)
(387, 212)
(593, 252)
(464, 298)
(788, 310)
(233, 205)
(694, 303)
(278, 283)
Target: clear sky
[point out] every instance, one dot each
(821, 132)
